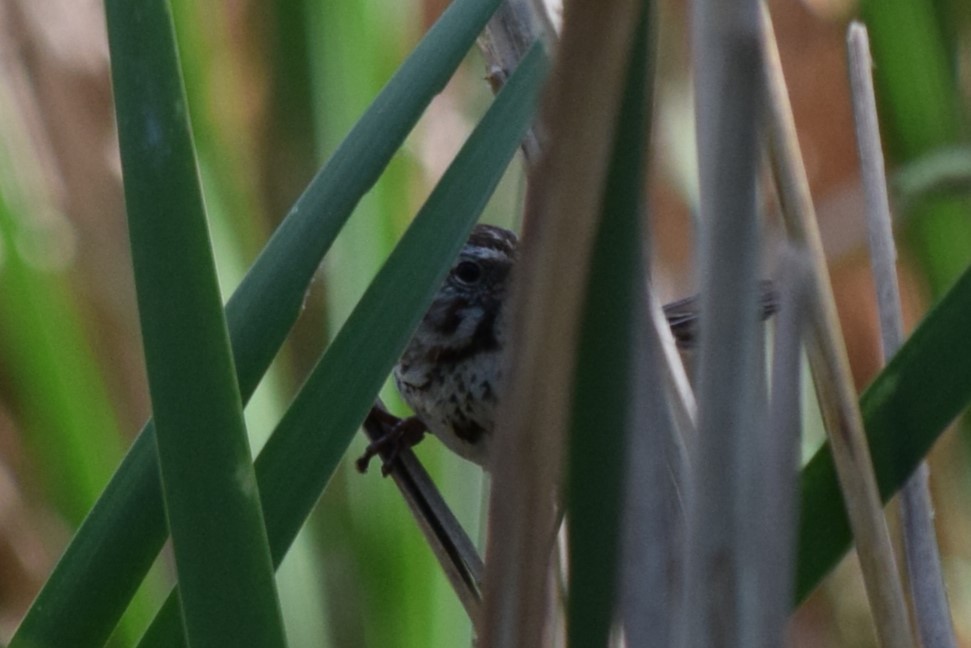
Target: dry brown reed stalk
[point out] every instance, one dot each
(830, 366)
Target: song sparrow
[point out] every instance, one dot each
(451, 373)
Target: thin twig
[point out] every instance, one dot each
(920, 541)
(830, 366)
(453, 548)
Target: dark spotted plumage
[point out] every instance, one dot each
(451, 372)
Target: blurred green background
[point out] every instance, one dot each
(272, 88)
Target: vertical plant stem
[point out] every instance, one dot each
(565, 203)
(654, 515)
(719, 605)
(661, 418)
(830, 366)
(883, 251)
(780, 487)
(920, 541)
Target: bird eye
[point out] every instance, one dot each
(468, 272)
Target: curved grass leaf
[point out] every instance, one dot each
(310, 441)
(113, 549)
(212, 504)
(919, 393)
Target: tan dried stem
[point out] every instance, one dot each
(452, 547)
(830, 366)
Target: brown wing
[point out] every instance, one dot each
(682, 315)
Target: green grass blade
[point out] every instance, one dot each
(241, 172)
(122, 535)
(310, 441)
(601, 418)
(228, 592)
(920, 392)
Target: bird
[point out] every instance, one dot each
(451, 371)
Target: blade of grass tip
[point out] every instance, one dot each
(780, 486)
(830, 367)
(567, 189)
(720, 607)
(601, 418)
(227, 587)
(920, 541)
(124, 532)
(310, 440)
